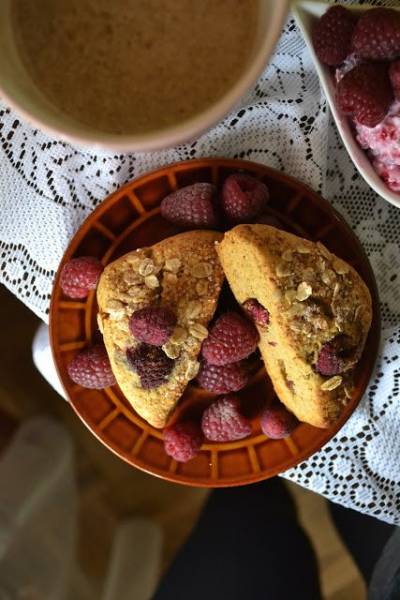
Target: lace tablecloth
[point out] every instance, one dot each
(47, 188)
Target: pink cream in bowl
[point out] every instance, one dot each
(383, 145)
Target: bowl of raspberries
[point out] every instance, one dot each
(356, 50)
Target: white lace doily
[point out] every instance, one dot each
(47, 188)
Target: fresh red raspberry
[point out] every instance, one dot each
(332, 35)
(231, 339)
(182, 441)
(394, 74)
(91, 368)
(191, 207)
(223, 422)
(80, 275)
(151, 364)
(243, 198)
(365, 93)
(277, 422)
(222, 379)
(153, 325)
(256, 312)
(377, 34)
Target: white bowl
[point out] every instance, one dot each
(305, 13)
(20, 93)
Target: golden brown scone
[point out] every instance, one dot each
(312, 297)
(182, 273)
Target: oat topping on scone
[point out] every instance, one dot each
(144, 279)
(318, 295)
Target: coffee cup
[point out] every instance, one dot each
(23, 94)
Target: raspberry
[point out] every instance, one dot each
(366, 93)
(182, 441)
(334, 355)
(231, 338)
(222, 380)
(151, 364)
(329, 362)
(377, 34)
(277, 422)
(243, 198)
(152, 325)
(91, 368)
(332, 35)
(222, 421)
(394, 74)
(257, 312)
(80, 275)
(191, 207)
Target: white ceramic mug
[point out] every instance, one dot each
(20, 93)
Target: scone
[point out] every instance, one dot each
(182, 274)
(319, 309)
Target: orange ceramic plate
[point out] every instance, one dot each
(129, 219)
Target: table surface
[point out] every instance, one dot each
(48, 187)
